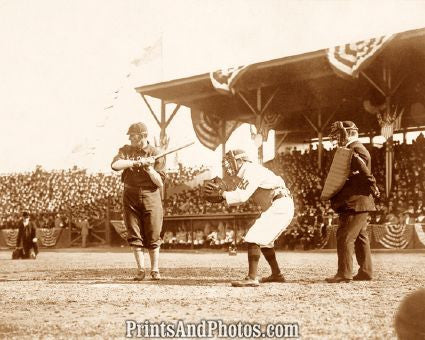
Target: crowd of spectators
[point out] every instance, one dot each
(183, 175)
(209, 234)
(57, 198)
(313, 217)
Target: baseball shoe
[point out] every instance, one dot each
(155, 276)
(273, 278)
(247, 282)
(362, 277)
(140, 276)
(337, 279)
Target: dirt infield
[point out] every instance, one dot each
(91, 294)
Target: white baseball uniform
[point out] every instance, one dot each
(268, 191)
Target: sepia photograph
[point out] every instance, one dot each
(212, 169)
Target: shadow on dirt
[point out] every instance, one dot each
(195, 276)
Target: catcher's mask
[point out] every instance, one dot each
(340, 131)
(230, 161)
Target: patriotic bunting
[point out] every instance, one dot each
(47, 237)
(224, 80)
(419, 228)
(387, 130)
(390, 122)
(350, 59)
(393, 235)
(209, 128)
(10, 236)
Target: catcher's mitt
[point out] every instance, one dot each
(213, 190)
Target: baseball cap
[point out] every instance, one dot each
(137, 128)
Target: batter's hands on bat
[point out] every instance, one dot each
(145, 162)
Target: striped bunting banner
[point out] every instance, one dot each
(224, 80)
(393, 236)
(209, 128)
(350, 59)
(387, 130)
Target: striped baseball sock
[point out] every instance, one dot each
(270, 256)
(253, 259)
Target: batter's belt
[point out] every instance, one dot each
(338, 173)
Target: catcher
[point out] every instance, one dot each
(271, 194)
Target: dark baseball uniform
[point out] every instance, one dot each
(142, 204)
(353, 204)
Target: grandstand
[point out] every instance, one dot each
(57, 199)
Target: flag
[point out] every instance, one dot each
(149, 53)
(350, 59)
(387, 130)
(224, 80)
(210, 130)
(391, 124)
(397, 121)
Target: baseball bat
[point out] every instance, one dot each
(162, 154)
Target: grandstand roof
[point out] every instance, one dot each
(308, 85)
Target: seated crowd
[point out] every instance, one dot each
(208, 234)
(56, 198)
(184, 175)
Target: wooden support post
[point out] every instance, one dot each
(371, 138)
(172, 115)
(150, 110)
(259, 112)
(108, 223)
(320, 145)
(162, 123)
(280, 142)
(192, 233)
(260, 148)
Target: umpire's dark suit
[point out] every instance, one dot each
(353, 204)
(26, 234)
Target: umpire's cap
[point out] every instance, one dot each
(137, 128)
(338, 126)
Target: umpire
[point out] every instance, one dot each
(353, 204)
(26, 241)
(143, 178)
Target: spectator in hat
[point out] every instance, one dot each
(27, 240)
